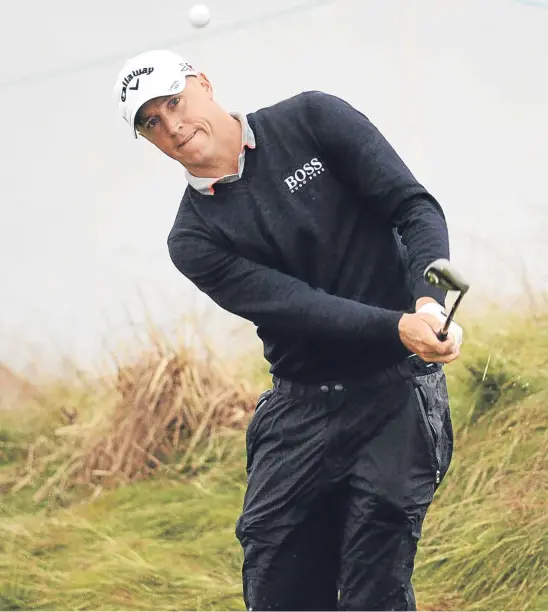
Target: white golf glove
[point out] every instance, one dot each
(438, 311)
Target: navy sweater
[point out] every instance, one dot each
(322, 243)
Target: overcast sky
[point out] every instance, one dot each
(459, 88)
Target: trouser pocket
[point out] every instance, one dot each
(253, 426)
(433, 405)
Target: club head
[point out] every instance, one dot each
(441, 273)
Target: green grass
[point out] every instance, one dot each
(163, 544)
(169, 543)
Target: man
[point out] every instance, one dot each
(301, 218)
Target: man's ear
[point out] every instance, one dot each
(205, 84)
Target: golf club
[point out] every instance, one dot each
(441, 273)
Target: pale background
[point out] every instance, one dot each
(460, 88)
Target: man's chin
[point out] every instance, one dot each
(193, 159)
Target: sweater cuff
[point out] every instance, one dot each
(424, 289)
(392, 336)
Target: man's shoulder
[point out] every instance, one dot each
(187, 232)
(185, 216)
(301, 111)
(292, 105)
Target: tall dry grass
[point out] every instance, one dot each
(163, 412)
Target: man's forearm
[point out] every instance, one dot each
(268, 297)
(423, 229)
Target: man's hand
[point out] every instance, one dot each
(418, 333)
(432, 307)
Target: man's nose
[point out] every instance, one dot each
(174, 125)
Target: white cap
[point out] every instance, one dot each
(149, 75)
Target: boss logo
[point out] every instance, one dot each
(303, 175)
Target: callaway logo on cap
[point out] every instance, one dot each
(149, 75)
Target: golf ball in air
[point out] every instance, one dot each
(199, 15)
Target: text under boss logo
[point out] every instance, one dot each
(301, 176)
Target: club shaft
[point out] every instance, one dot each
(442, 335)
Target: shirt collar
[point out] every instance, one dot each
(205, 185)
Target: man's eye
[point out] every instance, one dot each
(151, 123)
(173, 102)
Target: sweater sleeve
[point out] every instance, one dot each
(362, 158)
(268, 297)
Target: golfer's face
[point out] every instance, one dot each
(181, 125)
